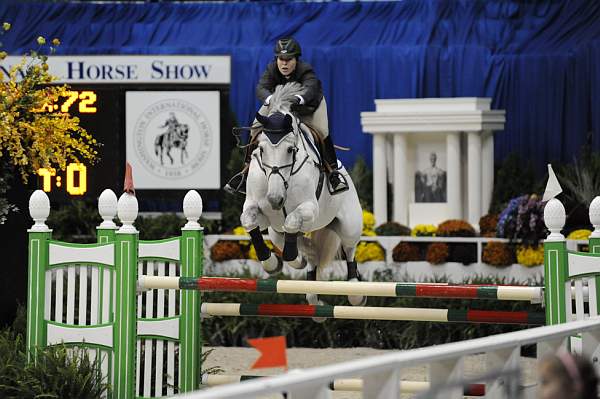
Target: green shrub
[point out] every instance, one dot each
(59, 372)
(392, 229)
(362, 177)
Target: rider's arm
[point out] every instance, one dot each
(266, 84)
(312, 85)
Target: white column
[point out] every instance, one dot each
(474, 177)
(400, 179)
(453, 175)
(487, 170)
(379, 179)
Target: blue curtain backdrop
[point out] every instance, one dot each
(538, 60)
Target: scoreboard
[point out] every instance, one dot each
(167, 116)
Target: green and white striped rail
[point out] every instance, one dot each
(382, 289)
(373, 313)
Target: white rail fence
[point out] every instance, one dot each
(382, 374)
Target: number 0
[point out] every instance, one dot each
(71, 188)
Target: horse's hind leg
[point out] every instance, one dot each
(353, 275)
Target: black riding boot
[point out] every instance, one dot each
(337, 181)
(237, 184)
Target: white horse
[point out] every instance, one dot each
(285, 193)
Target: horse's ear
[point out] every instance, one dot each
(264, 120)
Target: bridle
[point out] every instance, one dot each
(276, 169)
(270, 170)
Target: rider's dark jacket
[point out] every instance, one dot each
(303, 74)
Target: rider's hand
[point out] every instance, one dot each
(268, 100)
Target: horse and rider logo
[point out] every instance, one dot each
(172, 138)
(176, 136)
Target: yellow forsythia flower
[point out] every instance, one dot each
(31, 135)
(581, 234)
(41, 40)
(427, 230)
(530, 256)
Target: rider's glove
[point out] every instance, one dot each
(268, 100)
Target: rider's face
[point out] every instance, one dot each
(286, 64)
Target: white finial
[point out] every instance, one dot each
(107, 207)
(127, 209)
(39, 209)
(595, 217)
(554, 218)
(192, 209)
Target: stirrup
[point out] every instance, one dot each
(342, 185)
(238, 188)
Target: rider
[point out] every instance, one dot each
(310, 107)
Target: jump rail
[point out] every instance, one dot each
(373, 313)
(342, 384)
(383, 289)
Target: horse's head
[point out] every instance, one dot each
(276, 155)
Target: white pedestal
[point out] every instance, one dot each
(444, 126)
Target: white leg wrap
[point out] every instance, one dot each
(298, 263)
(270, 265)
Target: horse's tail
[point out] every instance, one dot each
(322, 247)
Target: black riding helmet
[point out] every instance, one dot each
(287, 46)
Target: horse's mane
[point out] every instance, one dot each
(284, 96)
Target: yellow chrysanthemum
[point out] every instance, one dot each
(530, 256)
(581, 234)
(368, 220)
(427, 230)
(55, 42)
(369, 251)
(41, 40)
(6, 26)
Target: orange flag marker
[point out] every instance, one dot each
(128, 183)
(272, 352)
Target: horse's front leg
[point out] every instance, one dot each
(301, 219)
(251, 219)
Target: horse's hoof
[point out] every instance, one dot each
(273, 265)
(299, 263)
(357, 300)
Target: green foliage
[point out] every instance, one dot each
(231, 208)
(362, 177)
(158, 227)
(234, 331)
(392, 229)
(59, 372)
(581, 179)
(75, 222)
(513, 178)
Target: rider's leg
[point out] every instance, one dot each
(318, 120)
(238, 182)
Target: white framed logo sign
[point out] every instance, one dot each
(172, 139)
